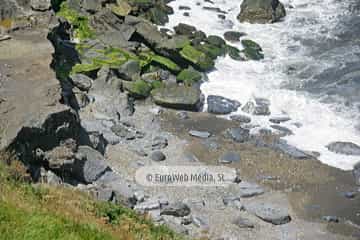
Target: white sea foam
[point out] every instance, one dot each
(321, 124)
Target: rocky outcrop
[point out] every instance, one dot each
(261, 11)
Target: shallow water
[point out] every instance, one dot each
(311, 70)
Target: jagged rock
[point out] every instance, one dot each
(177, 209)
(89, 165)
(238, 134)
(178, 97)
(261, 11)
(230, 157)
(258, 106)
(81, 81)
(221, 105)
(40, 5)
(269, 213)
(233, 36)
(147, 31)
(240, 118)
(347, 148)
(199, 134)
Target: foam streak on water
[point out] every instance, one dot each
(283, 45)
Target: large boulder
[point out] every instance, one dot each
(261, 11)
(221, 105)
(178, 97)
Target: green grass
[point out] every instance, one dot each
(37, 212)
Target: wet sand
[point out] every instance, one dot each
(313, 189)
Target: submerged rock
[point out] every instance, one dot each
(178, 97)
(292, 151)
(261, 11)
(347, 148)
(258, 106)
(221, 105)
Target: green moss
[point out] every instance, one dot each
(252, 50)
(84, 67)
(189, 76)
(166, 63)
(157, 84)
(199, 59)
(80, 23)
(211, 50)
(251, 44)
(138, 89)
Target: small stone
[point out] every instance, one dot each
(199, 134)
(158, 156)
(280, 119)
(159, 142)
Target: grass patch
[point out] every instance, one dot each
(40, 212)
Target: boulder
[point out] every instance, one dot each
(81, 81)
(240, 118)
(185, 29)
(261, 11)
(89, 165)
(346, 148)
(138, 88)
(269, 213)
(198, 59)
(215, 41)
(221, 105)
(178, 97)
(292, 151)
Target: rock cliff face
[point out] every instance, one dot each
(261, 11)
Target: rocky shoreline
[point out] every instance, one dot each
(105, 114)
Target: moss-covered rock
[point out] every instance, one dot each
(82, 29)
(252, 50)
(215, 40)
(211, 50)
(122, 8)
(178, 97)
(197, 58)
(234, 53)
(138, 89)
(189, 76)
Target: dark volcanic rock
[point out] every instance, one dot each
(261, 11)
(221, 105)
(269, 213)
(178, 97)
(347, 148)
(238, 134)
